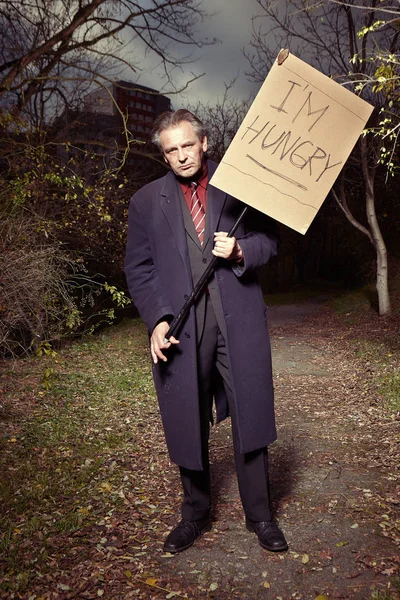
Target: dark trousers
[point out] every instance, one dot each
(251, 468)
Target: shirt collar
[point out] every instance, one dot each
(201, 179)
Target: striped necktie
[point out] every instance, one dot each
(197, 212)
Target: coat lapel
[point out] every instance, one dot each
(171, 207)
(215, 204)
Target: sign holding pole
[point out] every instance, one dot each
(293, 143)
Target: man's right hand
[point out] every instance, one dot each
(158, 343)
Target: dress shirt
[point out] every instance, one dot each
(202, 184)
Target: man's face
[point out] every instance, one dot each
(183, 150)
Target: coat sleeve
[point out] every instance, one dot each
(259, 243)
(142, 278)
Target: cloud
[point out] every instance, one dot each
(221, 62)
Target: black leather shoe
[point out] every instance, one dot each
(185, 534)
(269, 535)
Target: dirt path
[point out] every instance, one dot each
(334, 492)
(90, 493)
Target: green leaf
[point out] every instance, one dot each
(213, 587)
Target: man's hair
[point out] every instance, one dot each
(170, 119)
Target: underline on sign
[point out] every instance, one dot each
(288, 179)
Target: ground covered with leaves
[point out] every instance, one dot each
(88, 492)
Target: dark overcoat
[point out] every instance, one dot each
(159, 278)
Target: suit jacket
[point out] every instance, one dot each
(159, 277)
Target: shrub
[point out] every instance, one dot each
(35, 299)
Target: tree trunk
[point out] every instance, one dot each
(382, 275)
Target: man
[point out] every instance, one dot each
(176, 224)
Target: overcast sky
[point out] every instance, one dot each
(221, 62)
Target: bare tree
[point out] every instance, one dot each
(222, 120)
(350, 43)
(45, 43)
(57, 177)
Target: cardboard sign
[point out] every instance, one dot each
(292, 144)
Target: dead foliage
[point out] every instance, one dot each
(88, 492)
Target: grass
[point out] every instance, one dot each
(60, 448)
(383, 362)
(353, 302)
(390, 388)
(376, 339)
(386, 594)
(364, 300)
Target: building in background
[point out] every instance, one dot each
(97, 127)
(141, 104)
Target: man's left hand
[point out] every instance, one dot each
(226, 247)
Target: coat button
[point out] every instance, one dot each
(187, 335)
(204, 260)
(186, 296)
